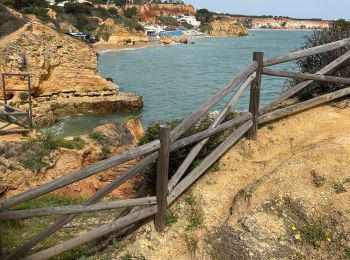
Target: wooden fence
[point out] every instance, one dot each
(11, 115)
(167, 191)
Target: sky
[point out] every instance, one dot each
(325, 9)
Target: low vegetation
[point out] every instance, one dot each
(178, 156)
(17, 232)
(338, 30)
(8, 22)
(86, 17)
(205, 17)
(38, 149)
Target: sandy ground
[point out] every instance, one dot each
(261, 199)
(115, 47)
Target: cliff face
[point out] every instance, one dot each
(227, 27)
(62, 68)
(148, 13)
(118, 34)
(118, 137)
(282, 23)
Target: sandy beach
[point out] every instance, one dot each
(115, 47)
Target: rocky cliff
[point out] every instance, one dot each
(149, 13)
(64, 76)
(116, 34)
(281, 23)
(21, 156)
(227, 27)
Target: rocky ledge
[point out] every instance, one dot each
(48, 109)
(227, 27)
(65, 80)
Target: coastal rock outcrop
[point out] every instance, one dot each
(106, 141)
(64, 73)
(281, 23)
(148, 13)
(112, 33)
(227, 27)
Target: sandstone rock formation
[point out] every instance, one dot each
(227, 27)
(116, 34)
(64, 73)
(281, 23)
(113, 139)
(149, 13)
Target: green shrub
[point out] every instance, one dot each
(40, 12)
(8, 22)
(315, 233)
(78, 8)
(37, 150)
(205, 17)
(97, 136)
(338, 30)
(131, 12)
(167, 20)
(178, 156)
(21, 4)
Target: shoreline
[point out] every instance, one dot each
(107, 47)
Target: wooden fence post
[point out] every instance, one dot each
(255, 95)
(1, 248)
(162, 177)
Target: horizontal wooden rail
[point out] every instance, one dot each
(10, 107)
(307, 76)
(130, 155)
(3, 113)
(147, 212)
(209, 160)
(303, 106)
(295, 89)
(15, 90)
(94, 234)
(195, 116)
(31, 213)
(195, 150)
(308, 52)
(132, 172)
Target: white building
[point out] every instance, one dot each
(190, 19)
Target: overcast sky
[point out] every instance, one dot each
(326, 9)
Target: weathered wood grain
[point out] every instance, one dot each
(292, 91)
(195, 150)
(162, 177)
(130, 155)
(94, 234)
(254, 103)
(307, 52)
(132, 172)
(31, 213)
(303, 106)
(196, 115)
(209, 161)
(306, 76)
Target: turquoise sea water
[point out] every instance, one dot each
(174, 80)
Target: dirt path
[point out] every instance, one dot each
(265, 199)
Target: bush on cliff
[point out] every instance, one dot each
(178, 156)
(338, 30)
(205, 17)
(37, 150)
(8, 22)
